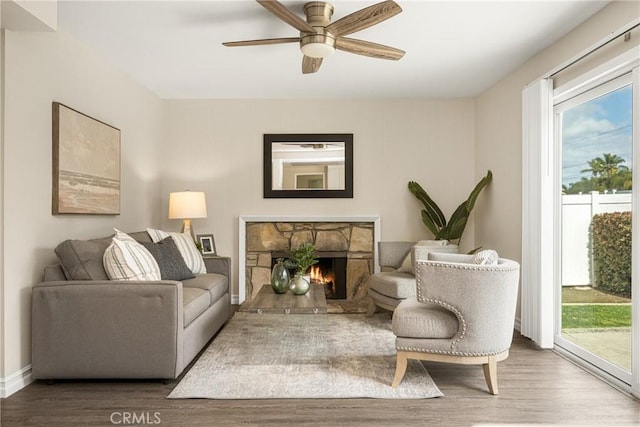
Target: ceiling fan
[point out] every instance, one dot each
(319, 37)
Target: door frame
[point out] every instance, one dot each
(618, 72)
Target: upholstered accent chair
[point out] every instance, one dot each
(463, 313)
(392, 285)
(396, 282)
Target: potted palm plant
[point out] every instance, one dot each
(434, 219)
(300, 260)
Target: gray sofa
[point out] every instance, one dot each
(99, 328)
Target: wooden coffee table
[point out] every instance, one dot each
(267, 301)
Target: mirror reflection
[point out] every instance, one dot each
(308, 166)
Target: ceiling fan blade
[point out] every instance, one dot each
(262, 42)
(375, 50)
(310, 65)
(286, 15)
(364, 18)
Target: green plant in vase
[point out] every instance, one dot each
(300, 260)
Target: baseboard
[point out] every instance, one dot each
(235, 299)
(516, 325)
(15, 382)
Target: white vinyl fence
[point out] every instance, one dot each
(577, 211)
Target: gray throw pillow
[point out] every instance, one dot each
(170, 261)
(82, 259)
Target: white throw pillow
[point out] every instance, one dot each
(406, 266)
(485, 257)
(186, 246)
(126, 259)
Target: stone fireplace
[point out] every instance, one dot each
(346, 244)
(330, 272)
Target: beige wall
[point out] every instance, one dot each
(216, 146)
(30, 15)
(41, 68)
(498, 132)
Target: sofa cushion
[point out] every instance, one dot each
(393, 284)
(216, 284)
(126, 259)
(170, 261)
(194, 302)
(413, 319)
(186, 246)
(82, 259)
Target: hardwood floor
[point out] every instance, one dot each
(536, 386)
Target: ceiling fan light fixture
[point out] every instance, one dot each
(317, 45)
(317, 50)
(319, 37)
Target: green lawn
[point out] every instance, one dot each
(596, 316)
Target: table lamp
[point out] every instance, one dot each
(186, 205)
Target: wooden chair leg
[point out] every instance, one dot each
(401, 368)
(491, 374)
(371, 310)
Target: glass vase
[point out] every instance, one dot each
(280, 277)
(299, 285)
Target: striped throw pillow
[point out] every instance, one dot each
(186, 246)
(126, 259)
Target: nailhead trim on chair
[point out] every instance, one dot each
(422, 298)
(463, 323)
(451, 353)
(466, 266)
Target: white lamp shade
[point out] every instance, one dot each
(187, 204)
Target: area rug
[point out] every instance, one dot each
(303, 356)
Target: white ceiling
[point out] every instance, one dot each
(454, 48)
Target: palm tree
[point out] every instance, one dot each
(596, 167)
(604, 169)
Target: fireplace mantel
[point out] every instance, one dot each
(244, 220)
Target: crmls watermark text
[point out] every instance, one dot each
(135, 418)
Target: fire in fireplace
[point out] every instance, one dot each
(330, 272)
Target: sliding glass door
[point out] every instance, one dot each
(594, 138)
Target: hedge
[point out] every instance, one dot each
(611, 234)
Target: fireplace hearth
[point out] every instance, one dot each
(345, 249)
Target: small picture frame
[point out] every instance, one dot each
(207, 244)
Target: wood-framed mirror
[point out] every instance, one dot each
(308, 165)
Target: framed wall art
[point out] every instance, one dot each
(86, 164)
(207, 244)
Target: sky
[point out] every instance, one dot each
(601, 125)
